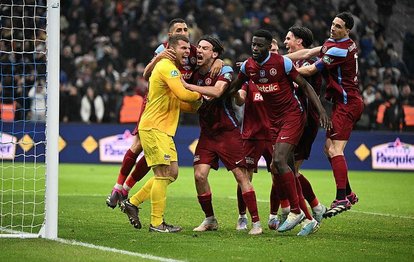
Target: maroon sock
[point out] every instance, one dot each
(307, 190)
(302, 202)
(140, 170)
(330, 160)
(206, 204)
(250, 200)
(288, 184)
(127, 163)
(340, 171)
(274, 200)
(281, 192)
(240, 202)
(348, 188)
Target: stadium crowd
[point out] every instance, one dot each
(105, 46)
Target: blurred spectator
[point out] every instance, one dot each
(384, 11)
(368, 95)
(37, 95)
(105, 44)
(131, 108)
(408, 52)
(406, 102)
(392, 115)
(406, 95)
(92, 107)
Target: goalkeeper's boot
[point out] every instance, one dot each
(308, 227)
(353, 198)
(337, 207)
(114, 198)
(208, 224)
(291, 221)
(165, 228)
(132, 212)
(242, 223)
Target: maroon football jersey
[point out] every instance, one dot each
(315, 81)
(215, 114)
(340, 59)
(273, 78)
(255, 121)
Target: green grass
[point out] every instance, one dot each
(380, 227)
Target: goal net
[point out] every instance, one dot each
(29, 129)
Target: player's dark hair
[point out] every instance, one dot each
(175, 21)
(264, 33)
(303, 33)
(215, 42)
(347, 18)
(173, 40)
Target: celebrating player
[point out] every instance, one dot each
(273, 75)
(339, 58)
(257, 143)
(299, 38)
(157, 129)
(219, 135)
(125, 181)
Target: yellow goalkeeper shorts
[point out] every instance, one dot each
(159, 148)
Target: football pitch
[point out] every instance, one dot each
(380, 227)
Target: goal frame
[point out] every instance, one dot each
(49, 229)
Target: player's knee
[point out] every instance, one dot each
(200, 177)
(278, 162)
(331, 151)
(326, 151)
(136, 147)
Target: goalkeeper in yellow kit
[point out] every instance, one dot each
(166, 97)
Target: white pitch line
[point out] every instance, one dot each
(355, 211)
(114, 250)
(257, 200)
(83, 195)
(381, 214)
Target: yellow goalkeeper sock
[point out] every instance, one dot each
(143, 194)
(159, 199)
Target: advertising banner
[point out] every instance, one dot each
(394, 155)
(7, 146)
(113, 148)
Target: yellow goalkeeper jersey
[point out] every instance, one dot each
(165, 94)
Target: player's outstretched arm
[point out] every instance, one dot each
(191, 107)
(212, 91)
(308, 70)
(304, 53)
(179, 90)
(324, 120)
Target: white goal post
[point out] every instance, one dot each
(29, 127)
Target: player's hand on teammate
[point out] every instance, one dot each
(186, 85)
(167, 53)
(325, 121)
(216, 67)
(197, 104)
